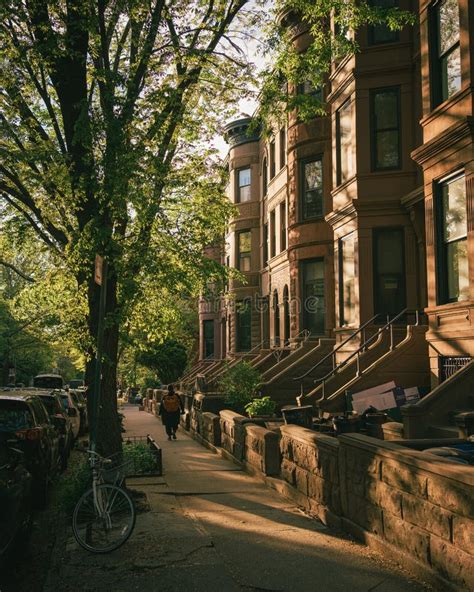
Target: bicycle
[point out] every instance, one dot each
(104, 516)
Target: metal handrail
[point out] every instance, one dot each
(357, 352)
(333, 352)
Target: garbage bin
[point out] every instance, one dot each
(302, 416)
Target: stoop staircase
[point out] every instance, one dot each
(279, 381)
(393, 352)
(446, 412)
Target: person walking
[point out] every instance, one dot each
(171, 407)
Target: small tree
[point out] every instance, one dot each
(167, 359)
(239, 385)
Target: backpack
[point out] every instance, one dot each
(171, 403)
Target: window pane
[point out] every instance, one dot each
(457, 270)
(448, 15)
(313, 189)
(208, 334)
(381, 33)
(387, 155)
(386, 109)
(244, 177)
(454, 208)
(313, 175)
(345, 142)
(244, 242)
(451, 73)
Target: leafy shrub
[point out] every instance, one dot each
(260, 406)
(73, 483)
(140, 457)
(239, 385)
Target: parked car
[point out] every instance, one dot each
(81, 404)
(72, 412)
(48, 381)
(24, 419)
(15, 495)
(61, 421)
(76, 383)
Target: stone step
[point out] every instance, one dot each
(446, 431)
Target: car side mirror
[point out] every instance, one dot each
(72, 412)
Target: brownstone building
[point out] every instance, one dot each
(355, 231)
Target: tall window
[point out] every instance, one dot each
(282, 148)
(208, 334)
(265, 176)
(283, 226)
(245, 249)
(453, 268)
(385, 128)
(312, 188)
(276, 319)
(381, 33)
(272, 234)
(244, 326)
(313, 296)
(265, 245)
(344, 142)
(445, 51)
(347, 280)
(272, 159)
(243, 185)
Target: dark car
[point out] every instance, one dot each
(24, 419)
(61, 421)
(48, 381)
(76, 383)
(81, 404)
(15, 495)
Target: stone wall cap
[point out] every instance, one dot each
(420, 460)
(230, 415)
(308, 436)
(262, 431)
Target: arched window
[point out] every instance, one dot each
(286, 315)
(264, 176)
(276, 319)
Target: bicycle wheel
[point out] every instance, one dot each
(105, 526)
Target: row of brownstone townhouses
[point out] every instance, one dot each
(355, 230)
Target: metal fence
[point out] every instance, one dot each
(449, 365)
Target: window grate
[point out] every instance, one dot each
(449, 365)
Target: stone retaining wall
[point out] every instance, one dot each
(309, 462)
(413, 503)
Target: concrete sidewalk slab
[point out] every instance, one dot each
(211, 527)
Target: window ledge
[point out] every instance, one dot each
(445, 105)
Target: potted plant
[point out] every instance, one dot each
(260, 406)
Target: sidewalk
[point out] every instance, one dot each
(213, 528)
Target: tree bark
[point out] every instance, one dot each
(109, 436)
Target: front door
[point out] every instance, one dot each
(314, 305)
(389, 272)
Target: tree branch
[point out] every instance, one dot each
(16, 270)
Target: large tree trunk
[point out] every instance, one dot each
(109, 437)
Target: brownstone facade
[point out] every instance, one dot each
(367, 213)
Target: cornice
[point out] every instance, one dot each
(454, 134)
(413, 197)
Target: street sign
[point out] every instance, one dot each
(99, 263)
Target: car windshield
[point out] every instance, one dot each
(50, 404)
(48, 382)
(14, 416)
